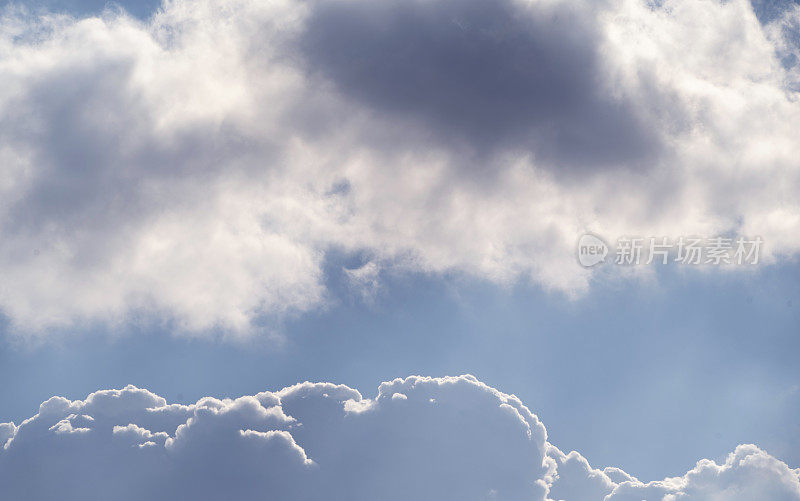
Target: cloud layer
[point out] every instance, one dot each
(201, 166)
(419, 438)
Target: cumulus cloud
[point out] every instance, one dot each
(576, 479)
(199, 167)
(748, 473)
(445, 438)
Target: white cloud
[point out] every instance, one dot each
(748, 473)
(576, 479)
(198, 167)
(7, 430)
(449, 438)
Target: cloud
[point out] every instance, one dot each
(446, 438)
(7, 430)
(200, 168)
(748, 473)
(483, 75)
(576, 479)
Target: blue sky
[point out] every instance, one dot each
(622, 374)
(220, 198)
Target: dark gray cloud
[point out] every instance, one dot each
(482, 74)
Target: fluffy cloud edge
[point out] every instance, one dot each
(419, 436)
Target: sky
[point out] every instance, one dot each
(215, 201)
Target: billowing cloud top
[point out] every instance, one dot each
(199, 166)
(420, 438)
